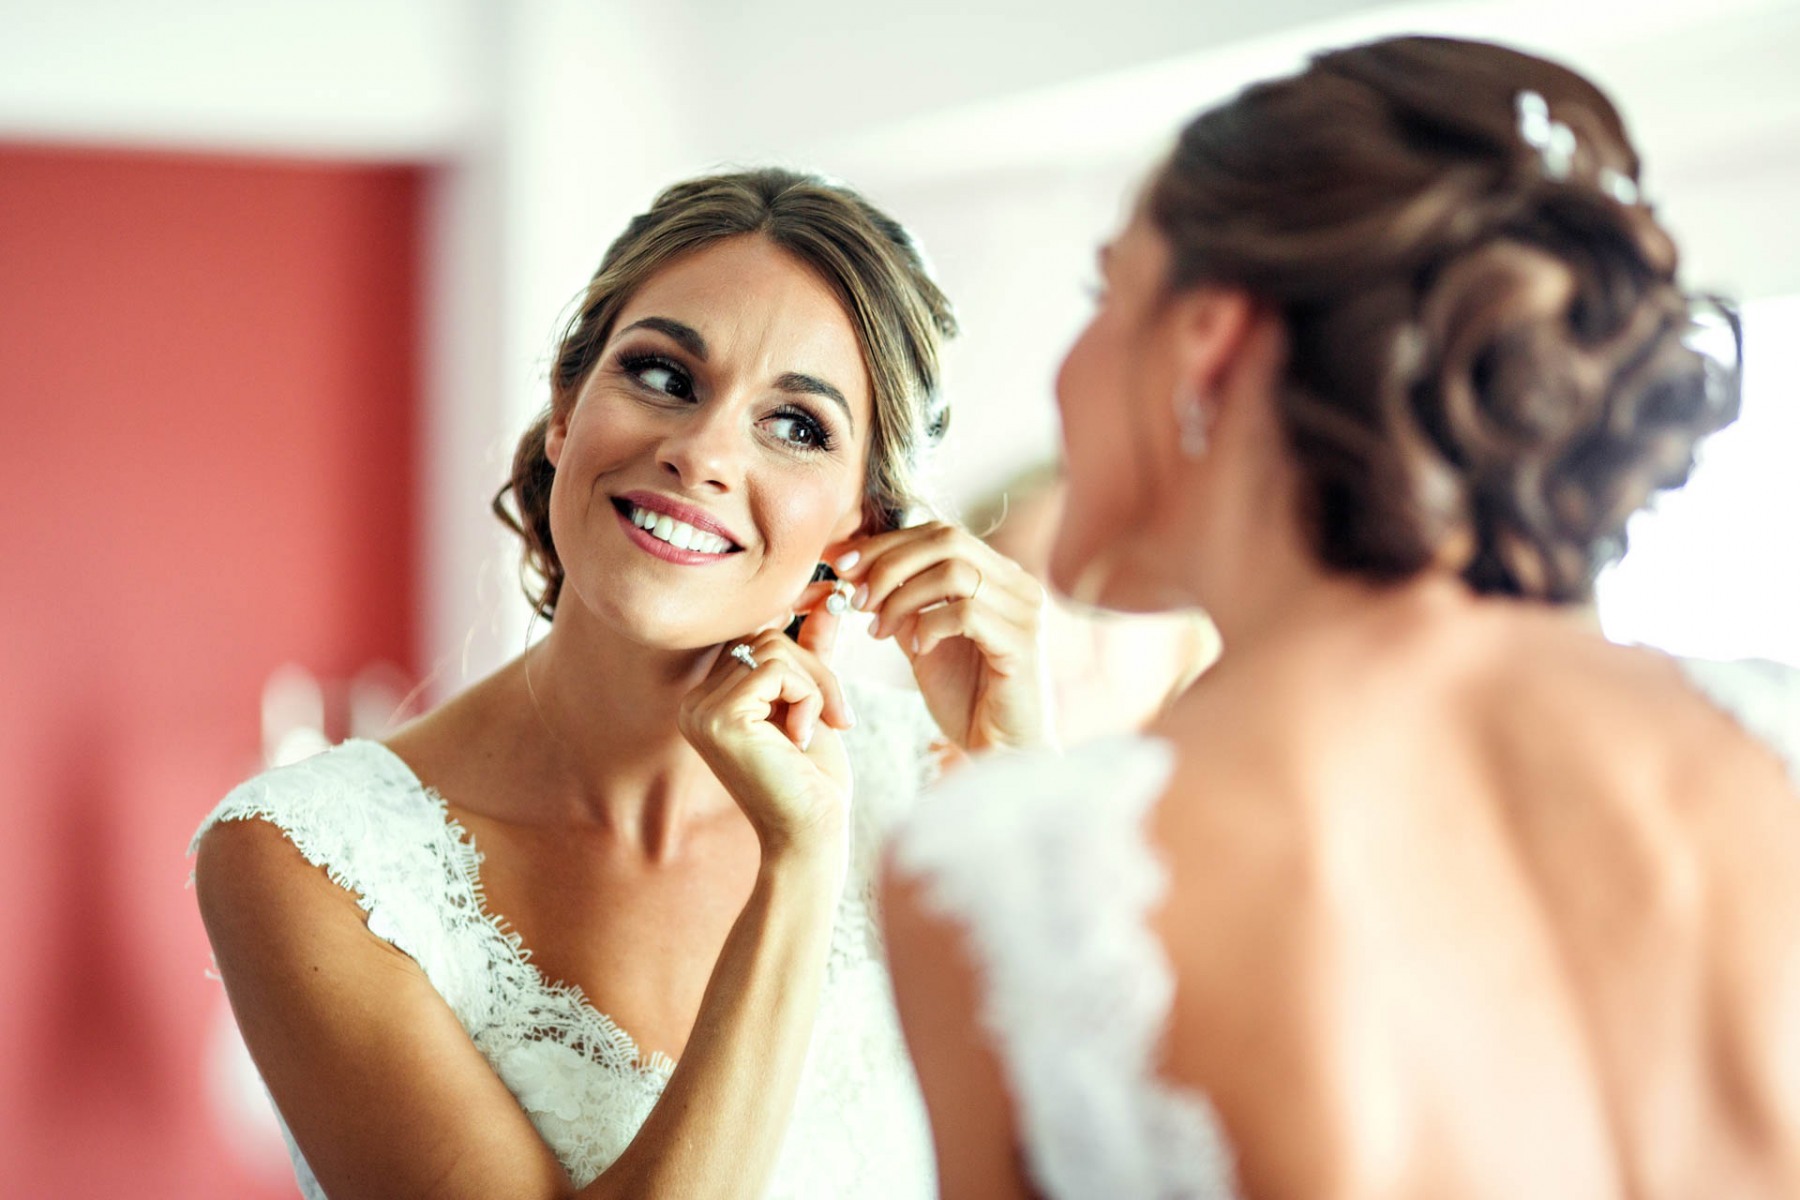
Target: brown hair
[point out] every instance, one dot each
(1488, 365)
(900, 316)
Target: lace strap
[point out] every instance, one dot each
(359, 813)
(1042, 859)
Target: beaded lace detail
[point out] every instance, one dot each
(858, 1127)
(1043, 862)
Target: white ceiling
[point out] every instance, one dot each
(878, 90)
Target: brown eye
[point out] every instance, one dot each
(799, 430)
(660, 375)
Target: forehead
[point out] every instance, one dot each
(761, 311)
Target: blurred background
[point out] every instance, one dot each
(278, 279)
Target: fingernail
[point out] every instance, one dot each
(915, 643)
(849, 713)
(861, 600)
(846, 561)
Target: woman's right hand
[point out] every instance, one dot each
(771, 736)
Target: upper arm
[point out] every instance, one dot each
(972, 1120)
(379, 1084)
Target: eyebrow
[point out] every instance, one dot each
(812, 385)
(685, 336)
(689, 339)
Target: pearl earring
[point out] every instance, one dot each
(838, 603)
(1193, 420)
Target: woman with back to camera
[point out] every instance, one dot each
(658, 975)
(1425, 890)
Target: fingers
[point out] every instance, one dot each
(803, 715)
(819, 631)
(888, 560)
(823, 696)
(902, 573)
(954, 581)
(1008, 647)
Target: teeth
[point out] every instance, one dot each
(679, 534)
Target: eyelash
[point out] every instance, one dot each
(821, 437)
(636, 365)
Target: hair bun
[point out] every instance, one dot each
(1489, 366)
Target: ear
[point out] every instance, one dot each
(556, 433)
(1214, 329)
(855, 523)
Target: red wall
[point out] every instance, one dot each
(208, 395)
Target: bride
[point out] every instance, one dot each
(600, 926)
(1425, 890)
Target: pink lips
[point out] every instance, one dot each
(681, 512)
(675, 510)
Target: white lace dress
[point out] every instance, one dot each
(858, 1128)
(1042, 860)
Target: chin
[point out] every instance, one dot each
(656, 623)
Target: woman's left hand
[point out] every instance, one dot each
(969, 621)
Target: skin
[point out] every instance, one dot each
(1465, 901)
(662, 825)
(1109, 673)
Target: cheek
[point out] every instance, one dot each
(598, 439)
(800, 517)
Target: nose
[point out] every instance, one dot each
(706, 450)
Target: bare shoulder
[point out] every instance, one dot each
(937, 991)
(359, 1051)
(250, 879)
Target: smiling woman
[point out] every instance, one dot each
(858, 255)
(602, 924)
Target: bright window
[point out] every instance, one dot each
(1714, 569)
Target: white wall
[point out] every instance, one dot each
(1714, 569)
(1006, 132)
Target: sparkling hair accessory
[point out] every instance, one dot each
(1555, 145)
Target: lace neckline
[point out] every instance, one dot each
(596, 1027)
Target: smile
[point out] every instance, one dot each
(674, 533)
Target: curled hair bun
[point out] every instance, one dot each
(1490, 364)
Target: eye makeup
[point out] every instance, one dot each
(796, 427)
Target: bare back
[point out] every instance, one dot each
(1483, 906)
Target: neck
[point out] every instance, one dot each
(606, 712)
(1244, 554)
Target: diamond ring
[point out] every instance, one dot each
(741, 652)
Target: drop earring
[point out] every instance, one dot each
(1193, 421)
(838, 603)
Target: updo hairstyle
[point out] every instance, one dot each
(1489, 364)
(865, 256)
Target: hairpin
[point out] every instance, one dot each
(1555, 144)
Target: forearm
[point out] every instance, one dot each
(719, 1125)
